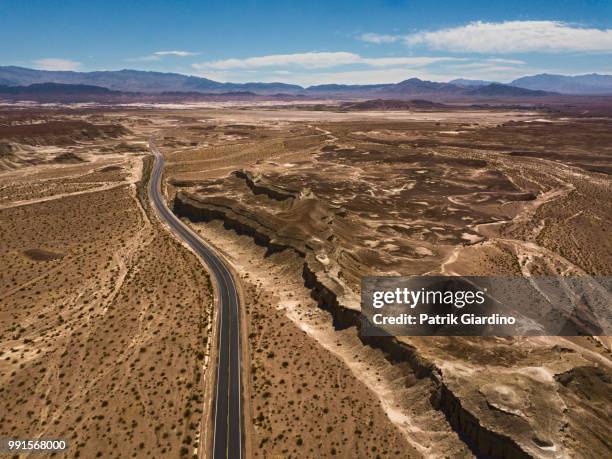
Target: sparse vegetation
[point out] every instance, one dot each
(104, 315)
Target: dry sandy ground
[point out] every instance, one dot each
(256, 115)
(105, 318)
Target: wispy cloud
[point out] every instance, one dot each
(158, 55)
(317, 60)
(379, 38)
(506, 37)
(175, 53)
(506, 61)
(51, 63)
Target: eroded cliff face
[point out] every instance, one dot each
(366, 203)
(54, 140)
(487, 428)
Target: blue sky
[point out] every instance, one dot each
(311, 42)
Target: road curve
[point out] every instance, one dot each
(227, 435)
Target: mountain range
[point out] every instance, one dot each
(592, 83)
(19, 82)
(465, 82)
(588, 84)
(136, 81)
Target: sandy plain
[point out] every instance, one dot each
(105, 317)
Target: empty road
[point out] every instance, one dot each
(227, 436)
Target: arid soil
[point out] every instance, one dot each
(105, 318)
(304, 208)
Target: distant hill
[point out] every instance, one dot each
(391, 104)
(503, 90)
(580, 84)
(416, 88)
(55, 88)
(137, 81)
(344, 88)
(465, 82)
(412, 87)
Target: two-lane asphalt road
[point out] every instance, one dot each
(227, 436)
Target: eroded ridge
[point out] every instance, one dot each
(377, 199)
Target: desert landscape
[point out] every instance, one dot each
(388, 193)
(108, 319)
(301, 230)
(105, 317)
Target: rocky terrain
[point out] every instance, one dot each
(46, 139)
(108, 320)
(305, 218)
